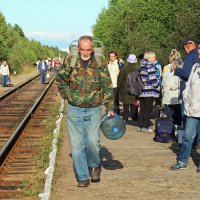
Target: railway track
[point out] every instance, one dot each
(23, 115)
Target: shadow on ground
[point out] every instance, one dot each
(195, 155)
(107, 161)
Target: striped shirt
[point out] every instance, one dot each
(150, 79)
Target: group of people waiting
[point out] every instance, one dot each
(176, 84)
(150, 72)
(87, 86)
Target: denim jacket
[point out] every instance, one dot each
(45, 66)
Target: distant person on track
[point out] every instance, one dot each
(43, 69)
(57, 66)
(86, 86)
(5, 72)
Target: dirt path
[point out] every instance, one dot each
(134, 167)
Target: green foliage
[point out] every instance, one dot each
(134, 26)
(5, 41)
(18, 30)
(21, 55)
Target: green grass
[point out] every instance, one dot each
(33, 187)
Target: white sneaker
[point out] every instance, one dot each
(150, 130)
(147, 130)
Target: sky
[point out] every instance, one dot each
(54, 23)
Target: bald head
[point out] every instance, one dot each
(85, 46)
(190, 46)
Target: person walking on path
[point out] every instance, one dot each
(86, 86)
(43, 68)
(57, 66)
(5, 72)
(191, 98)
(127, 100)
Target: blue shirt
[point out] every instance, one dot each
(184, 72)
(190, 60)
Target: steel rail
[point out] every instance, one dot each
(12, 140)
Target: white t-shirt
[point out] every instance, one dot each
(113, 68)
(4, 70)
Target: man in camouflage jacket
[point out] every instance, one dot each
(86, 86)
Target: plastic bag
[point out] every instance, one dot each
(48, 75)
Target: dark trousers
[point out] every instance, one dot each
(146, 107)
(43, 76)
(4, 79)
(132, 108)
(174, 113)
(116, 100)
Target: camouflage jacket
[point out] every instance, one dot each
(88, 86)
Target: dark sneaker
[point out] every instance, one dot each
(95, 174)
(179, 165)
(125, 119)
(198, 168)
(134, 118)
(83, 183)
(197, 147)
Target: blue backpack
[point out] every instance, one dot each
(164, 130)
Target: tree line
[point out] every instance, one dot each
(18, 50)
(134, 26)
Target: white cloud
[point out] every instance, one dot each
(49, 35)
(55, 35)
(54, 38)
(65, 50)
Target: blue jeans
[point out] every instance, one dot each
(4, 79)
(83, 126)
(188, 138)
(197, 138)
(43, 76)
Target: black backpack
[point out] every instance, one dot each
(134, 83)
(164, 128)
